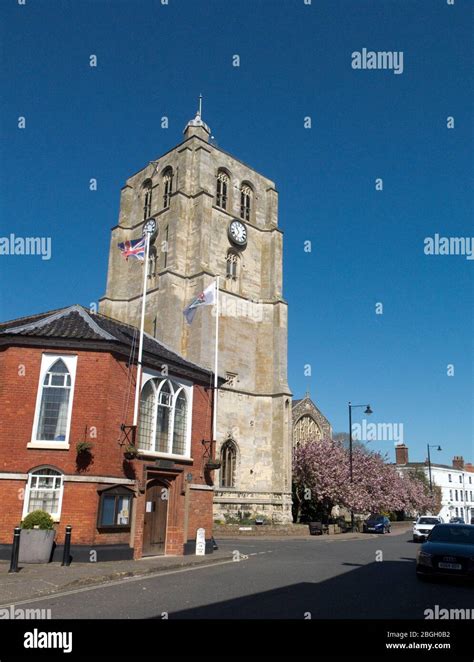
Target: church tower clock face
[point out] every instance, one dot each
(238, 233)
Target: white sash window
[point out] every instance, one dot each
(44, 491)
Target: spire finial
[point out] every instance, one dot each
(200, 106)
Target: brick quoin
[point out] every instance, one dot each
(103, 399)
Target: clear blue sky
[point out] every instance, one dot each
(367, 245)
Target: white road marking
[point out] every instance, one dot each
(115, 582)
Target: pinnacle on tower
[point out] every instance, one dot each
(196, 127)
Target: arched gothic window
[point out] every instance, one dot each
(54, 408)
(165, 247)
(167, 186)
(147, 195)
(306, 429)
(232, 265)
(222, 188)
(228, 462)
(179, 428)
(163, 426)
(152, 264)
(245, 202)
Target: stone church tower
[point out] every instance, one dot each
(217, 216)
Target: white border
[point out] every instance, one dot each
(71, 478)
(57, 516)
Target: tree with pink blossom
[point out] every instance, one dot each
(320, 474)
(321, 477)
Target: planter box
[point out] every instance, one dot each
(36, 545)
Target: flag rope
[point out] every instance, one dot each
(216, 364)
(142, 328)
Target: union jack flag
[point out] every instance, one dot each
(133, 248)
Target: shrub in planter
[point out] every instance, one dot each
(36, 537)
(38, 519)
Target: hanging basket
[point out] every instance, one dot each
(130, 453)
(84, 448)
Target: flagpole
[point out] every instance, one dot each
(216, 357)
(142, 328)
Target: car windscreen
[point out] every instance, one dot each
(376, 519)
(462, 535)
(428, 520)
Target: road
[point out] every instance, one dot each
(312, 577)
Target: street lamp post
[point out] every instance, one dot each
(438, 448)
(368, 410)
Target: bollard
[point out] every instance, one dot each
(67, 546)
(15, 550)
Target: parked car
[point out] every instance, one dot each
(423, 526)
(456, 520)
(449, 551)
(377, 524)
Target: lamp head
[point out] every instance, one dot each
(368, 410)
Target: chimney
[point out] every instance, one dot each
(401, 454)
(458, 462)
(469, 467)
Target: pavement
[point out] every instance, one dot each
(323, 538)
(36, 580)
(302, 532)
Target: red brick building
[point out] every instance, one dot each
(65, 384)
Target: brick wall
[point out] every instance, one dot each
(98, 400)
(200, 513)
(200, 501)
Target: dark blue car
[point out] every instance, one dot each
(449, 551)
(377, 524)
